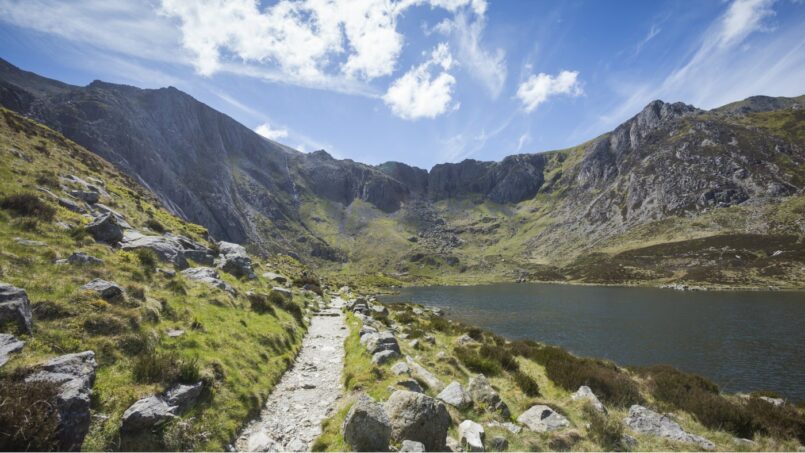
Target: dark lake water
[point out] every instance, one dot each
(741, 340)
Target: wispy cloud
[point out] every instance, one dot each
(652, 33)
(538, 88)
(270, 132)
(721, 67)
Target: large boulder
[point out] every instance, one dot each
(166, 248)
(275, 278)
(418, 417)
(15, 308)
(74, 374)
(106, 228)
(584, 393)
(234, 260)
(367, 427)
(283, 295)
(471, 436)
(154, 410)
(209, 276)
(9, 344)
(456, 396)
(105, 289)
(381, 341)
(543, 419)
(483, 394)
(646, 421)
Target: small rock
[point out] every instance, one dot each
(105, 228)
(182, 396)
(29, 243)
(465, 340)
(541, 419)
(417, 417)
(277, 278)
(414, 344)
(379, 311)
(777, 402)
(646, 421)
(71, 205)
(511, 427)
(88, 196)
(174, 333)
(367, 427)
(471, 436)
(498, 443)
(411, 385)
(628, 442)
(400, 368)
(15, 308)
(422, 374)
(105, 289)
(167, 248)
(453, 445)
(456, 396)
(412, 446)
(383, 357)
(585, 393)
(482, 393)
(429, 339)
(155, 410)
(9, 344)
(82, 259)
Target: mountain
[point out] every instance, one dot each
(664, 197)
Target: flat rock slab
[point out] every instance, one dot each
(306, 394)
(9, 344)
(646, 421)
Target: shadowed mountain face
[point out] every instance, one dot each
(665, 166)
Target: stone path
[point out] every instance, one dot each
(306, 394)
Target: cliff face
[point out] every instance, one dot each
(670, 161)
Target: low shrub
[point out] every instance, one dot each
(104, 325)
(29, 419)
(501, 355)
(154, 225)
(147, 259)
(570, 372)
(440, 324)
(606, 431)
(406, 318)
(28, 205)
(477, 363)
(165, 367)
(260, 303)
(526, 383)
(700, 397)
(48, 310)
(782, 422)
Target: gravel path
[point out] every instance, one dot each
(306, 394)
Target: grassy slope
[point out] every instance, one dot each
(361, 376)
(377, 243)
(240, 353)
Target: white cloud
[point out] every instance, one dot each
(742, 18)
(417, 94)
(523, 140)
(270, 133)
(538, 88)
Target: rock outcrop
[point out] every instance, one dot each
(105, 289)
(9, 344)
(74, 374)
(15, 308)
(234, 260)
(543, 419)
(106, 228)
(209, 276)
(484, 395)
(417, 417)
(646, 421)
(155, 410)
(367, 427)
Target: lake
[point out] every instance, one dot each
(744, 341)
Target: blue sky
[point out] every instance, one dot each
(420, 81)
